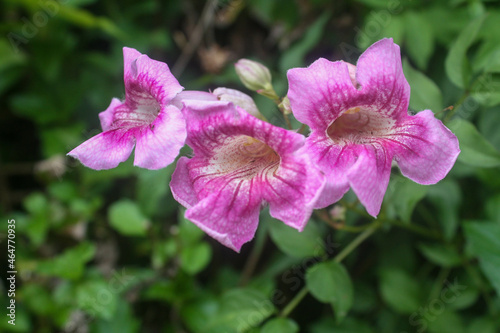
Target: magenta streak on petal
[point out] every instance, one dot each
(351, 127)
(237, 159)
(146, 118)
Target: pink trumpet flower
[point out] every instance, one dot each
(359, 123)
(147, 119)
(239, 164)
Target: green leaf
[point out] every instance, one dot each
(465, 298)
(127, 219)
(446, 196)
(195, 258)
(493, 208)
(10, 56)
(35, 106)
(280, 325)
(294, 56)
(400, 290)
(149, 190)
(457, 66)
(198, 312)
(98, 298)
(375, 3)
(483, 241)
(475, 149)
(440, 254)
(60, 140)
(403, 196)
(38, 299)
(420, 39)
(122, 321)
(349, 325)
(64, 191)
(307, 243)
(487, 58)
(70, 264)
(188, 231)
(39, 218)
(483, 325)
(162, 252)
(446, 322)
(486, 89)
(329, 282)
(488, 126)
(240, 309)
(387, 26)
(425, 94)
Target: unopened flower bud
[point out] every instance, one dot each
(239, 99)
(256, 77)
(285, 106)
(337, 213)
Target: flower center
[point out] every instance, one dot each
(244, 157)
(358, 125)
(254, 149)
(140, 110)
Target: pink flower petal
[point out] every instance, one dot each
(191, 95)
(182, 185)
(320, 93)
(106, 117)
(240, 163)
(369, 176)
(105, 150)
(359, 121)
(425, 149)
(293, 183)
(380, 74)
(159, 144)
(130, 55)
(335, 161)
(229, 216)
(147, 79)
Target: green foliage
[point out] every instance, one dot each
(457, 66)
(400, 290)
(403, 196)
(294, 243)
(111, 251)
(483, 241)
(239, 310)
(475, 149)
(440, 254)
(127, 219)
(70, 264)
(425, 94)
(280, 325)
(329, 282)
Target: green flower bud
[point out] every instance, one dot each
(284, 106)
(239, 99)
(256, 77)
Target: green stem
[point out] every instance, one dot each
(416, 229)
(355, 243)
(254, 256)
(457, 105)
(294, 302)
(338, 258)
(340, 225)
(438, 285)
(478, 280)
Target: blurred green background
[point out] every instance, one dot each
(110, 251)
